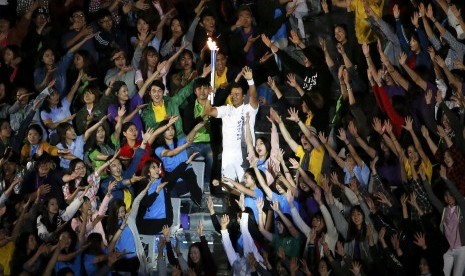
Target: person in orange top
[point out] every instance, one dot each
(35, 146)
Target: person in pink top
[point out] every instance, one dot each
(94, 222)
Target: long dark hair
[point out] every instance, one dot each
(116, 87)
(62, 128)
(267, 144)
(124, 128)
(92, 144)
(52, 225)
(88, 68)
(353, 233)
(45, 106)
(144, 66)
(72, 166)
(112, 220)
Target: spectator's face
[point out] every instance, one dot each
(48, 58)
(5, 130)
(169, 133)
(186, 62)
(414, 45)
(194, 254)
(318, 224)
(78, 61)
(202, 93)
(24, 100)
(120, 61)
(116, 168)
(70, 134)
(9, 167)
(280, 189)
(80, 169)
(154, 171)
(100, 135)
(340, 34)
(412, 154)
(142, 26)
(208, 22)
(423, 267)
(156, 94)
(305, 143)
(78, 20)
(40, 20)
(52, 206)
(89, 97)
(65, 236)
(4, 25)
(106, 23)
(44, 169)
(237, 98)
(446, 123)
(350, 162)
(260, 148)
(131, 133)
(220, 62)
(123, 94)
(323, 268)
(305, 108)
(121, 212)
(152, 59)
(8, 56)
(248, 180)
(448, 159)
(31, 243)
(246, 19)
(33, 137)
(304, 187)
(357, 218)
(280, 227)
(54, 98)
(449, 199)
(176, 27)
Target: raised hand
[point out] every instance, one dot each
(260, 204)
(414, 19)
(420, 240)
(275, 206)
(266, 40)
(291, 80)
(225, 221)
(323, 138)
(402, 58)
(247, 73)
(377, 125)
(408, 123)
(146, 136)
(424, 132)
(396, 11)
(240, 202)
(294, 38)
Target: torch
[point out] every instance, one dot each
(213, 51)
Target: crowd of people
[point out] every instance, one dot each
(104, 105)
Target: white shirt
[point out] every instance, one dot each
(234, 126)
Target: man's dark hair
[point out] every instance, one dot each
(200, 82)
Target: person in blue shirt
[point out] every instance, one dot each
(155, 209)
(250, 189)
(172, 152)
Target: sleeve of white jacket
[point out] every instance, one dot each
(249, 245)
(351, 196)
(42, 230)
(69, 212)
(227, 245)
(303, 227)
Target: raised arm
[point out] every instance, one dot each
(412, 74)
(361, 142)
(261, 180)
(93, 128)
(286, 135)
(409, 127)
(332, 153)
(261, 218)
(290, 227)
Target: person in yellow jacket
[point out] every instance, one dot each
(35, 146)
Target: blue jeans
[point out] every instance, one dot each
(204, 149)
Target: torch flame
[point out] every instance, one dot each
(211, 45)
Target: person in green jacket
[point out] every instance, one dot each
(163, 107)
